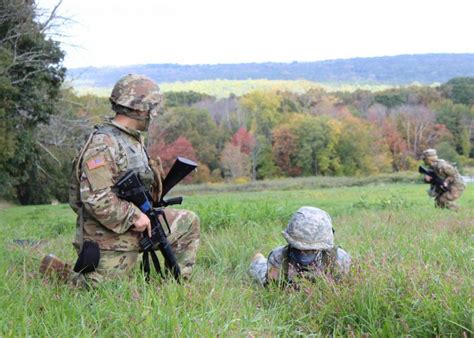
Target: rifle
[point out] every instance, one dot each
(435, 180)
(131, 189)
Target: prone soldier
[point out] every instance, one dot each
(310, 252)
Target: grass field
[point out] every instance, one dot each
(224, 88)
(412, 273)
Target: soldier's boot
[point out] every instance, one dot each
(453, 206)
(257, 257)
(53, 266)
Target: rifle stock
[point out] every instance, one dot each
(180, 169)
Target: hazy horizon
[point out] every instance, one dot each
(184, 32)
(275, 62)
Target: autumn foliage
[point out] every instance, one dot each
(271, 134)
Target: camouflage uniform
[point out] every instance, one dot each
(111, 151)
(310, 233)
(451, 177)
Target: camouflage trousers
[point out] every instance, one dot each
(258, 269)
(184, 239)
(448, 199)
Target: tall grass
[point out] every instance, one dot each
(411, 275)
(224, 88)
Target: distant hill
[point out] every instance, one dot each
(387, 70)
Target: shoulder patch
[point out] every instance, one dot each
(95, 163)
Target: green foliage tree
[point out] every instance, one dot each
(390, 98)
(263, 111)
(447, 152)
(30, 78)
(458, 118)
(316, 139)
(263, 160)
(460, 90)
(359, 151)
(184, 98)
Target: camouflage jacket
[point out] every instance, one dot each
(448, 173)
(111, 151)
(278, 267)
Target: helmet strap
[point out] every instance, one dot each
(133, 114)
(136, 116)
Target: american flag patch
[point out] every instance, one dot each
(95, 163)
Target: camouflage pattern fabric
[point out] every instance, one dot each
(310, 228)
(112, 265)
(277, 268)
(107, 219)
(429, 153)
(136, 92)
(184, 240)
(455, 183)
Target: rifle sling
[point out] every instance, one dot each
(146, 264)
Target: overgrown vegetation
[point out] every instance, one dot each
(271, 134)
(31, 74)
(412, 273)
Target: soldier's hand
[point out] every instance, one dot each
(142, 224)
(427, 178)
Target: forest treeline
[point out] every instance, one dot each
(255, 136)
(270, 134)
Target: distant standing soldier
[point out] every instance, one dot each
(310, 252)
(109, 228)
(451, 180)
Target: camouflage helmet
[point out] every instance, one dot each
(136, 92)
(429, 153)
(310, 229)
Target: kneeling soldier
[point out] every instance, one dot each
(451, 180)
(109, 228)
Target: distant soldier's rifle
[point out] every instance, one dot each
(130, 188)
(435, 179)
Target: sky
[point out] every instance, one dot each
(129, 32)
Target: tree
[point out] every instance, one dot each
(31, 74)
(360, 151)
(263, 163)
(263, 110)
(316, 139)
(225, 112)
(385, 130)
(195, 125)
(177, 99)
(169, 152)
(285, 149)
(396, 145)
(419, 128)
(458, 118)
(235, 163)
(460, 90)
(244, 140)
(390, 98)
(362, 100)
